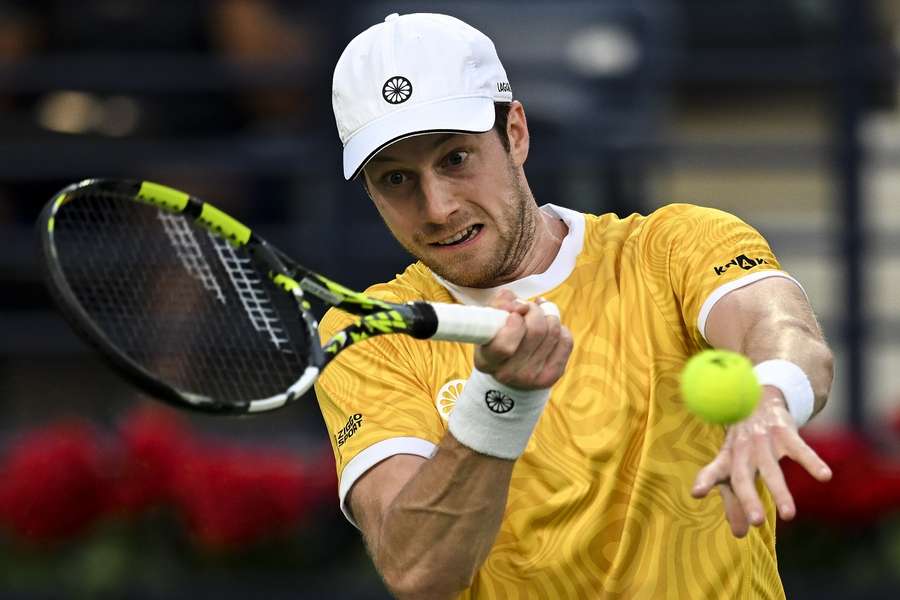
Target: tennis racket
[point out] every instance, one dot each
(197, 310)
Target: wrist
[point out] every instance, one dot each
(495, 419)
(794, 385)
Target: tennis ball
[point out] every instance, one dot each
(720, 386)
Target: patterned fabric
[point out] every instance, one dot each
(599, 505)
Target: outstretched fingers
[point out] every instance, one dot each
(734, 511)
(717, 471)
(773, 477)
(796, 448)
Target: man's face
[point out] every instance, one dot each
(457, 202)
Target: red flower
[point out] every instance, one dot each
(156, 444)
(58, 480)
(227, 495)
(54, 483)
(231, 497)
(864, 486)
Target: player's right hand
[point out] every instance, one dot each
(531, 351)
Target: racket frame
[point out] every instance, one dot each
(377, 317)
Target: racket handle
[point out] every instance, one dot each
(473, 324)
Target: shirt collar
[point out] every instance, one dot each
(539, 283)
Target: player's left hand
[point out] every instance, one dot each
(754, 446)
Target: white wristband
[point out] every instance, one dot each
(793, 383)
(495, 419)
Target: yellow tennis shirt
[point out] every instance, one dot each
(599, 504)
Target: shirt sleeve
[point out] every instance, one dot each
(694, 256)
(376, 402)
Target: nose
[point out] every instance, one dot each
(437, 199)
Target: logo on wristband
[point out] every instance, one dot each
(498, 402)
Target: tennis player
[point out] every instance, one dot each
(556, 461)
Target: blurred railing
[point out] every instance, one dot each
(599, 81)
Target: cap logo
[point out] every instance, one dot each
(397, 89)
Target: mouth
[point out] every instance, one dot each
(461, 237)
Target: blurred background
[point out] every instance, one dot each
(784, 112)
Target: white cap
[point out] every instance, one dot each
(411, 75)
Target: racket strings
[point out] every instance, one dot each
(183, 239)
(181, 303)
(248, 286)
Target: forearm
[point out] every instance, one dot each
(440, 527)
(797, 340)
(430, 524)
(770, 320)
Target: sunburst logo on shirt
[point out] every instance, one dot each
(447, 396)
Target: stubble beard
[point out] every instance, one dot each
(515, 236)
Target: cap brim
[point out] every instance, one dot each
(454, 115)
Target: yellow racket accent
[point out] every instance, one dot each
(223, 224)
(339, 341)
(385, 322)
(163, 197)
(358, 336)
(285, 282)
(52, 220)
(288, 285)
(348, 295)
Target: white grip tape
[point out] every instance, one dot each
(793, 383)
(471, 324)
(474, 324)
(494, 419)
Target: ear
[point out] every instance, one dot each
(517, 132)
